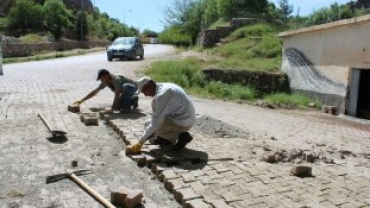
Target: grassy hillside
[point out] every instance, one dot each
(253, 48)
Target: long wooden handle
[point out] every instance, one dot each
(44, 120)
(91, 191)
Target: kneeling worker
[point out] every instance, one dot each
(173, 115)
(124, 90)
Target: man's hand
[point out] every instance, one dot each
(136, 148)
(77, 103)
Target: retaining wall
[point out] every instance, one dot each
(262, 81)
(21, 50)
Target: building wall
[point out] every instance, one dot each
(318, 59)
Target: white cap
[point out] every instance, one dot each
(141, 83)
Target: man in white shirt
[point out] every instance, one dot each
(173, 115)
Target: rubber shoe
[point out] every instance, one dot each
(135, 102)
(183, 140)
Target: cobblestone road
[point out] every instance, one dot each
(241, 133)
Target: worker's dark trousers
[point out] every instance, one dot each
(128, 97)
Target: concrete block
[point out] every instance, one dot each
(271, 158)
(220, 203)
(185, 194)
(140, 159)
(149, 161)
(159, 168)
(118, 196)
(74, 108)
(196, 203)
(174, 184)
(134, 198)
(308, 157)
(301, 171)
(89, 119)
(167, 174)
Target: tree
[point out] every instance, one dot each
(149, 33)
(333, 13)
(285, 8)
(56, 17)
(25, 15)
(242, 8)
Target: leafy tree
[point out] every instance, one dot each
(25, 15)
(177, 13)
(242, 8)
(56, 17)
(211, 12)
(329, 14)
(285, 8)
(149, 33)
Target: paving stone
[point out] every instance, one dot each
(118, 196)
(197, 185)
(74, 108)
(208, 194)
(220, 204)
(173, 184)
(301, 171)
(140, 159)
(188, 177)
(167, 174)
(230, 197)
(196, 203)
(134, 198)
(185, 194)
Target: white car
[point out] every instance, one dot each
(153, 40)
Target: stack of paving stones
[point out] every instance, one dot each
(240, 182)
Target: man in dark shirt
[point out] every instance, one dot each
(124, 90)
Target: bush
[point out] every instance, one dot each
(33, 38)
(174, 35)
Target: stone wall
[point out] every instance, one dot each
(21, 50)
(209, 37)
(262, 81)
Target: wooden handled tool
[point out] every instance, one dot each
(73, 176)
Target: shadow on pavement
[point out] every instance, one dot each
(57, 139)
(187, 159)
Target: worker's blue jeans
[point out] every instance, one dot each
(128, 97)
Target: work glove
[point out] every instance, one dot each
(136, 148)
(77, 103)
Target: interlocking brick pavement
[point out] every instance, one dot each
(245, 181)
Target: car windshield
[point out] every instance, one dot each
(124, 41)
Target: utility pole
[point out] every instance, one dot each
(124, 20)
(81, 23)
(1, 57)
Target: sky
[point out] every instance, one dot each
(148, 14)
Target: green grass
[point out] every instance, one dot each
(257, 30)
(254, 48)
(220, 22)
(291, 100)
(187, 73)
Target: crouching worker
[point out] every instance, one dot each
(124, 91)
(173, 115)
